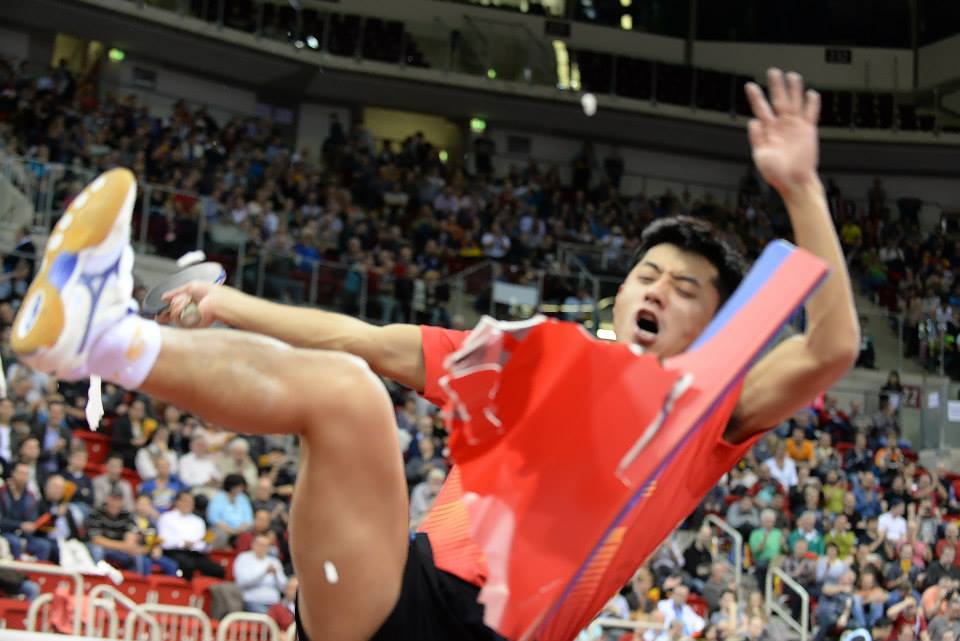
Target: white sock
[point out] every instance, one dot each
(125, 353)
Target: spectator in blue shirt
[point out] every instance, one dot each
(164, 487)
(18, 516)
(868, 500)
(230, 512)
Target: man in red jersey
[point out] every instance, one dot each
(361, 575)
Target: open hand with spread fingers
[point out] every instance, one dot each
(783, 133)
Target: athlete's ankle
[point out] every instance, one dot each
(125, 353)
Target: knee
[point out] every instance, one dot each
(14, 544)
(353, 389)
(30, 590)
(43, 547)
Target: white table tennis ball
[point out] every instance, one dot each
(589, 103)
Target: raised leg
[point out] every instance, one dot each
(349, 505)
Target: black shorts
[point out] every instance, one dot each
(433, 605)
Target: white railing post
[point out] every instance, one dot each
(362, 303)
(39, 607)
(202, 223)
(110, 595)
(262, 258)
(241, 258)
(730, 531)
(314, 283)
(145, 194)
(773, 606)
(629, 624)
(268, 624)
(180, 615)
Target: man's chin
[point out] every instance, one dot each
(642, 347)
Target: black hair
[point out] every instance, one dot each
(699, 237)
(232, 481)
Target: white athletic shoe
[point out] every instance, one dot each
(85, 282)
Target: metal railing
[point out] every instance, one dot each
(596, 257)
(64, 575)
(887, 322)
(773, 606)
(466, 284)
(287, 277)
(737, 539)
(179, 207)
(48, 185)
(44, 184)
(612, 623)
(105, 598)
(26, 635)
(246, 626)
(39, 609)
(179, 622)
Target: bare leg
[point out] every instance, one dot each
(350, 502)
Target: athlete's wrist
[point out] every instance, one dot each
(227, 305)
(803, 189)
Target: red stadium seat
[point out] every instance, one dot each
(135, 586)
(225, 559)
(47, 582)
(90, 581)
(97, 446)
(698, 603)
(94, 470)
(13, 613)
(131, 477)
(170, 590)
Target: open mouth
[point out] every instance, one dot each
(647, 328)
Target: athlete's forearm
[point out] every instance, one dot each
(297, 326)
(833, 332)
(394, 351)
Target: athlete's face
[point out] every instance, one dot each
(666, 301)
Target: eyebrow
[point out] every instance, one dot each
(683, 277)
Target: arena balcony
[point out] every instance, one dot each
(528, 70)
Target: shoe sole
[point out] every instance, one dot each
(84, 226)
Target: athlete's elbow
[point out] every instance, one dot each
(849, 350)
(839, 352)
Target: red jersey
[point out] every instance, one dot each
(676, 491)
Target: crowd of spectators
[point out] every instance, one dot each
(832, 499)
(908, 272)
(834, 496)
